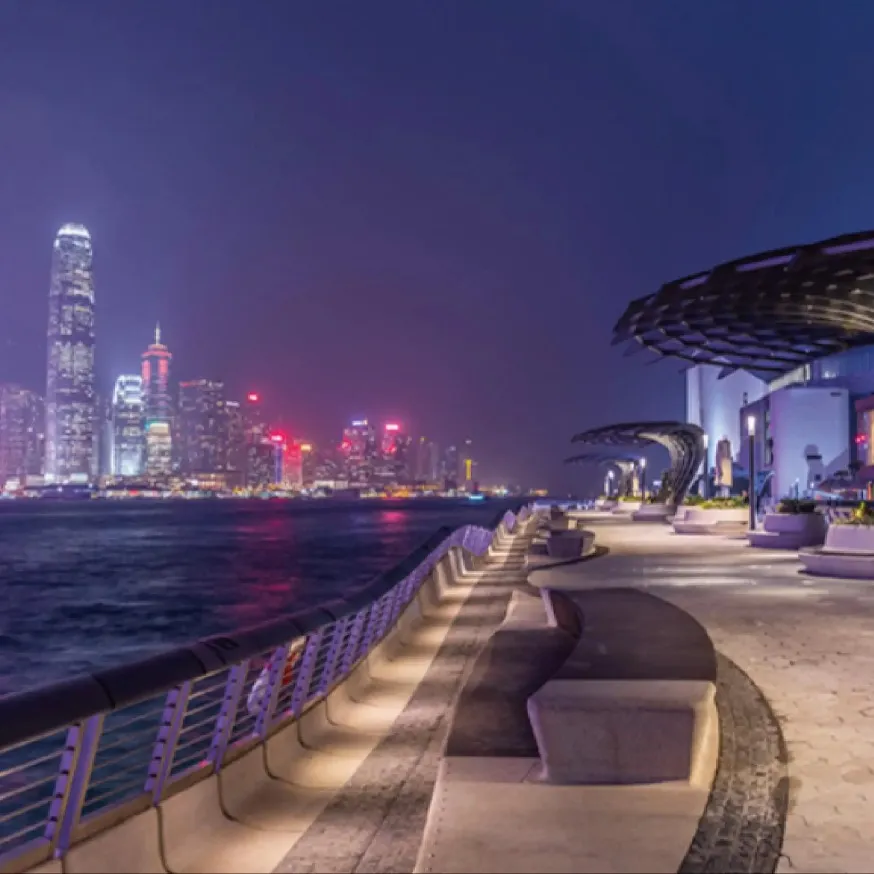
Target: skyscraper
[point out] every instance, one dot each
(70, 453)
(128, 427)
(21, 434)
(203, 427)
(158, 407)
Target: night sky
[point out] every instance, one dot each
(425, 209)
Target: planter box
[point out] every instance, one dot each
(848, 552)
(850, 538)
(627, 507)
(607, 504)
(699, 521)
(790, 531)
(652, 513)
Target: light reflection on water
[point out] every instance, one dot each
(89, 584)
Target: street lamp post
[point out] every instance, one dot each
(643, 478)
(705, 475)
(751, 438)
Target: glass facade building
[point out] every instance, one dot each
(128, 427)
(203, 427)
(22, 435)
(70, 451)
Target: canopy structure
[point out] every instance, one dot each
(625, 464)
(768, 313)
(684, 442)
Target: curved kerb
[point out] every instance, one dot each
(81, 756)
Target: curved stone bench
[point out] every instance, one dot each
(490, 718)
(653, 513)
(790, 531)
(625, 721)
(698, 521)
(848, 551)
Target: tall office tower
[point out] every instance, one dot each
(158, 408)
(422, 454)
(203, 427)
(128, 427)
(395, 453)
(22, 434)
(70, 454)
(450, 467)
(236, 443)
(359, 451)
(467, 468)
(433, 462)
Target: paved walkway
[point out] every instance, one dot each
(807, 643)
(375, 823)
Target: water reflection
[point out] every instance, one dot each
(87, 584)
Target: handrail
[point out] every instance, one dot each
(74, 750)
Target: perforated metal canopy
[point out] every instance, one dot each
(767, 313)
(684, 442)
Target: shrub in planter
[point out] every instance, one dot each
(629, 499)
(796, 506)
(693, 501)
(734, 503)
(862, 515)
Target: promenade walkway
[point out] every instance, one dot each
(808, 645)
(374, 823)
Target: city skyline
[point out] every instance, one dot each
(443, 220)
(156, 428)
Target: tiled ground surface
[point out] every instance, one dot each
(807, 643)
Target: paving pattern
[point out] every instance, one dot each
(375, 823)
(807, 644)
(742, 826)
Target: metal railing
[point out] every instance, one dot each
(77, 751)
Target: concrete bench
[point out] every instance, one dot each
(490, 718)
(642, 670)
(717, 521)
(653, 513)
(634, 701)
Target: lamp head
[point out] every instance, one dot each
(751, 425)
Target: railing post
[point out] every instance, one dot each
(275, 674)
(350, 653)
(164, 750)
(304, 677)
(228, 713)
(330, 668)
(77, 762)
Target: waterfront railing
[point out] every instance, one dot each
(77, 757)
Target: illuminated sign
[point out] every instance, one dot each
(306, 447)
(253, 397)
(392, 427)
(277, 438)
(359, 423)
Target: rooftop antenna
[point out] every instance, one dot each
(157, 333)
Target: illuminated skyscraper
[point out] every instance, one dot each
(70, 454)
(158, 407)
(22, 436)
(358, 451)
(128, 427)
(467, 477)
(203, 427)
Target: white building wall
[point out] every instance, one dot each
(808, 421)
(714, 404)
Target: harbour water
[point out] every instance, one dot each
(93, 583)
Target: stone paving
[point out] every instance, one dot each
(807, 643)
(375, 823)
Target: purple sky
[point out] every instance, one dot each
(421, 209)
